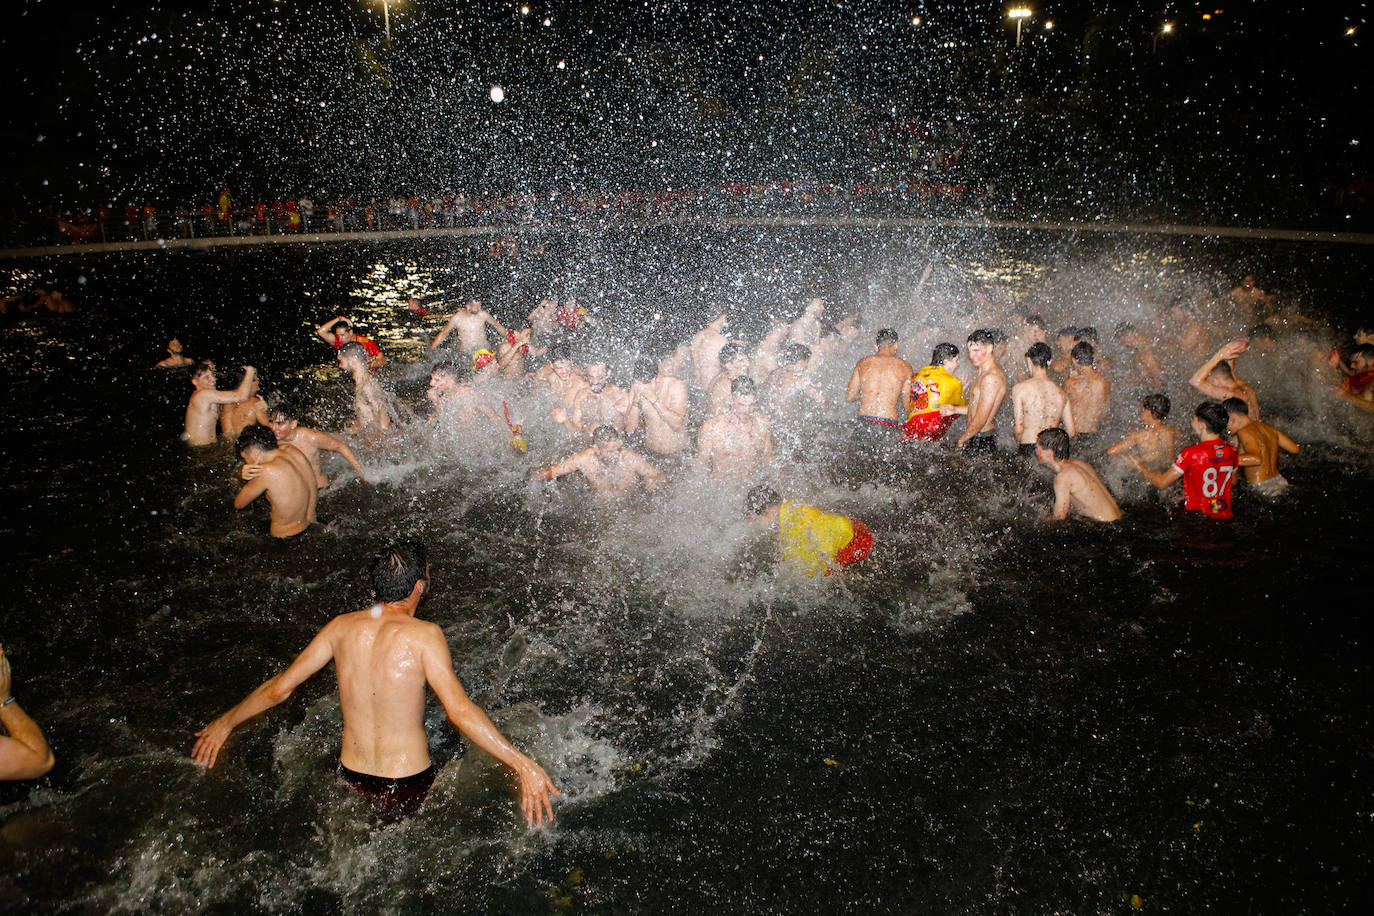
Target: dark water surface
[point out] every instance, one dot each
(992, 714)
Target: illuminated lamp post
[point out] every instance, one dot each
(386, 20)
(1020, 14)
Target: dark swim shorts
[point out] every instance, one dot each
(981, 444)
(401, 797)
(1026, 449)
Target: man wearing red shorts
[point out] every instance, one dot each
(819, 543)
(927, 389)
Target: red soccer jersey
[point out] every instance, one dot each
(1208, 469)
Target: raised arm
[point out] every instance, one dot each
(327, 442)
(326, 331)
(24, 752)
(240, 394)
(1067, 417)
(535, 785)
(444, 331)
(211, 738)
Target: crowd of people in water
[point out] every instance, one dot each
(722, 408)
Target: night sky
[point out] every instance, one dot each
(1259, 111)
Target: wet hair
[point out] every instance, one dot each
(1055, 440)
(354, 350)
(605, 433)
(1087, 333)
(744, 385)
(344, 325)
(886, 336)
(1261, 330)
(448, 369)
(285, 409)
(732, 351)
(560, 351)
(256, 436)
(1040, 354)
(1223, 369)
(1083, 353)
(1034, 321)
(793, 353)
(982, 336)
(1123, 329)
(1365, 350)
(998, 336)
(1068, 332)
(1236, 405)
(646, 370)
(202, 366)
(1157, 404)
(942, 352)
(760, 499)
(1213, 416)
(396, 570)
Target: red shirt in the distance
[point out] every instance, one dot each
(370, 345)
(1209, 469)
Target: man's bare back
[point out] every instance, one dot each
(1089, 395)
(289, 481)
(1154, 446)
(876, 384)
(1038, 404)
(1078, 487)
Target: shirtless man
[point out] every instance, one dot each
(1260, 445)
(175, 359)
(612, 470)
(985, 394)
(1182, 325)
(1038, 403)
(600, 403)
(706, 345)
(1253, 302)
(734, 363)
(202, 411)
(1032, 331)
(1076, 484)
(234, 418)
(561, 376)
(659, 402)
(284, 421)
(806, 330)
(1155, 444)
(1358, 389)
(543, 324)
(1089, 393)
(1207, 469)
(1216, 378)
(384, 657)
(24, 752)
(765, 357)
(514, 349)
(471, 324)
(738, 443)
(338, 332)
(1146, 368)
(790, 385)
(876, 383)
(284, 474)
(371, 419)
(1065, 340)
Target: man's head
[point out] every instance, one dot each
(1362, 358)
(734, 359)
(443, 381)
(794, 354)
(607, 442)
(473, 305)
(398, 569)
(352, 357)
(946, 355)
(1052, 445)
(1364, 334)
(174, 347)
(255, 443)
(283, 419)
(597, 373)
(560, 358)
(886, 339)
(203, 373)
(1083, 353)
(999, 342)
(1089, 334)
(1237, 412)
(1067, 337)
(743, 392)
(646, 370)
(1157, 405)
(1035, 327)
(1039, 355)
(1210, 417)
(760, 499)
(980, 344)
(1221, 374)
(343, 330)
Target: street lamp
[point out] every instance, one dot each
(1020, 14)
(386, 20)
(1166, 29)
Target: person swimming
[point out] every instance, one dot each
(812, 540)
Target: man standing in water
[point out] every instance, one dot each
(1076, 484)
(986, 394)
(24, 752)
(338, 333)
(175, 359)
(284, 421)
(739, 442)
(1089, 393)
(1154, 444)
(234, 418)
(1358, 389)
(600, 403)
(1038, 403)
(876, 383)
(284, 474)
(471, 324)
(1260, 445)
(705, 349)
(734, 363)
(202, 411)
(371, 419)
(659, 401)
(1217, 378)
(1208, 468)
(384, 657)
(611, 469)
